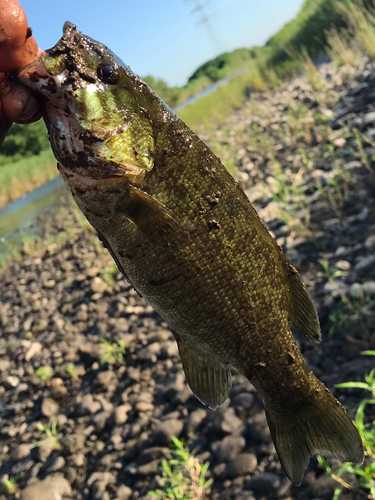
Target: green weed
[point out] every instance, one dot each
(185, 478)
(49, 431)
(364, 476)
(112, 353)
(45, 373)
(10, 485)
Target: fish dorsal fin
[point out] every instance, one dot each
(209, 380)
(302, 313)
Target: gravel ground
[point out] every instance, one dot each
(84, 418)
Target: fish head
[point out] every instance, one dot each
(93, 110)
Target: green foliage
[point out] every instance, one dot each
(23, 141)
(184, 477)
(112, 353)
(364, 475)
(170, 95)
(45, 373)
(223, 65)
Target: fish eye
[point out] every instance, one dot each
(108, 73)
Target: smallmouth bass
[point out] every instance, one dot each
(183, 232)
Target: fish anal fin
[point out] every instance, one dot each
(209, 380)
(322, 426)
(302, 313)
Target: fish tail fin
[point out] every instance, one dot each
(321, 427)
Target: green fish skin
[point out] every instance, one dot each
(182, 231)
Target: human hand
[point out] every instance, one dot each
(18, 48)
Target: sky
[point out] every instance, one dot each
(166, 39)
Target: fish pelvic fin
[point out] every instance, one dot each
(302, 312)
(209, 380)
(322, 427)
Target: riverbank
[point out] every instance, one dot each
(91, 418)
(20, 177)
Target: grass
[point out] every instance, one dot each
(213, 109)
(340, 48)
(184, 477)
(24, 175)
(359, 479)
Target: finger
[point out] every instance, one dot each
(20, 106)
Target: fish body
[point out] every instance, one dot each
(183, 232)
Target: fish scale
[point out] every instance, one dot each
(182, 231)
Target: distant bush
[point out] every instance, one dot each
(23, 141)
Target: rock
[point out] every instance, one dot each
(142, 406)
(264, 484)
(229, 448)
(121, 414)
(11, 382)
(75, 443)
(54, 487)
(228, 422)
(89, 405)
(98, 285)
(49, 407)
(49, 284)
(193, 421)
(55, 464)
(104, 378)
(98, 482)
(5, 365)
(149, 468)
(369, 243)
(44, 449)
(243, 464)
(124, 492)
(21, 451)
(35, 348)
(369, 118)
(163, 432)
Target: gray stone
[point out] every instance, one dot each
(124, 492)
(121, 414)
(193, 421)
(49, 407)
(104, 378)
(75, 442)
(162, 433)
(369, 118)
(20, 452)
(44, 449)
(243, 464)
(88, 405)
(229, 448)
(55, 464)
(228, 422)
(264, 484)
(98, 285)
(54, 487)
(35, 348)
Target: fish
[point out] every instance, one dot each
(187, 238)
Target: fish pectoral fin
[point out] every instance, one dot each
(209, 380)
(150, 216)
(302, 313)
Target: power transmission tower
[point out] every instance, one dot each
(205, 19)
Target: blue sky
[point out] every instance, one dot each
(163, 38)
